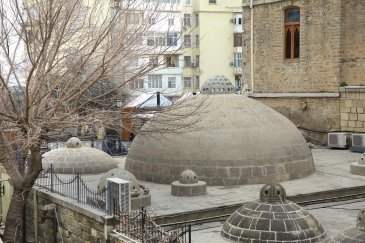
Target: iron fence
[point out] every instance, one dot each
(111, 145)
(141, 227)
(73, 187)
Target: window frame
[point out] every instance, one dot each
(292, 27)
(171, 82)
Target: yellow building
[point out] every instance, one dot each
(212, 41)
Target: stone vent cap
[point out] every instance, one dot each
(360, 224)
(272, 193)
(188, 177)
(73, 143)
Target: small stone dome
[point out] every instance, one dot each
(217, 85)
(351, 235)
(188, 177)
(74, 158)
(271, 219)
(73, 143)
(140, 195)
(272, 193)
(121, 174)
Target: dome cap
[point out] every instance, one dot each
(188, 177)
(73, 143)
(272, 193)
(218, 85)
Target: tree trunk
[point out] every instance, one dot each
(14, 220)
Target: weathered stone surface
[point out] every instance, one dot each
(272, 219)
(238, 141)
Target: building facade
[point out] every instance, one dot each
(305, 58)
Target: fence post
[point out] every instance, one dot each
(78, 187)
(52, 178)
(143, 218)
(189, 233)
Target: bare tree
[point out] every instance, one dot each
(57, 57)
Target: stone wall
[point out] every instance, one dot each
(353, 39)
(352, 109)
(317, 70)
(75, 222)
(315, 115)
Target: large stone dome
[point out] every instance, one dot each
(237, 141)
(272, 219)
(75, 158)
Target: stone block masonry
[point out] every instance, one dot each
(74, 223)
(352, 108)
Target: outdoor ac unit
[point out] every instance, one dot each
(337, 139)
(118, 195)
(358, 140)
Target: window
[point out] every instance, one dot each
(197, 40)
(237, 60)
(152, 21)
(197, 82)
(187, 20)
(172, 61)
(150, 41)
(292, 33)
(237, 40)
(237, 81)
(154, 61)
(212, 1)
(187, 61)
(172, 39)
(154, 81)
(160, 40)
(196, 19)
(187, 40)
(171, 83)
(137, 84)
(187, 82)
(197, 60)
(170, 22)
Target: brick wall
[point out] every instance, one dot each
(320, 36)
(76, 223)
(353, 39)
(352, 109)
(316, 115)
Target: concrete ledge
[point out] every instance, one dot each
(353, 89)
(357, 169)
(294, 95)
(246, 3)
(188, 190)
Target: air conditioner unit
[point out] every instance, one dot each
(337, 140)
(118, 195)
(358, 139)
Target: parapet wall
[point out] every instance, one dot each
(352, 108)
(75, 222)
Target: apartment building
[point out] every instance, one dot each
(212, 41)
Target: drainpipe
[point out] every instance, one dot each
(35, 206)
(252, 69)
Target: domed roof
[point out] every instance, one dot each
(75, 158)
(268, 221)
(188, 177)
(236, 141)
(217, 85)
(352, 235)
(122, 174)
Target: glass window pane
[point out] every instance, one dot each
(292, 15)
(288, 44)
(296, 43)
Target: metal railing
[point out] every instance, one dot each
(110, 145)
(141, 227)
(73, 187)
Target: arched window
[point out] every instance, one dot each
(292, 33)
